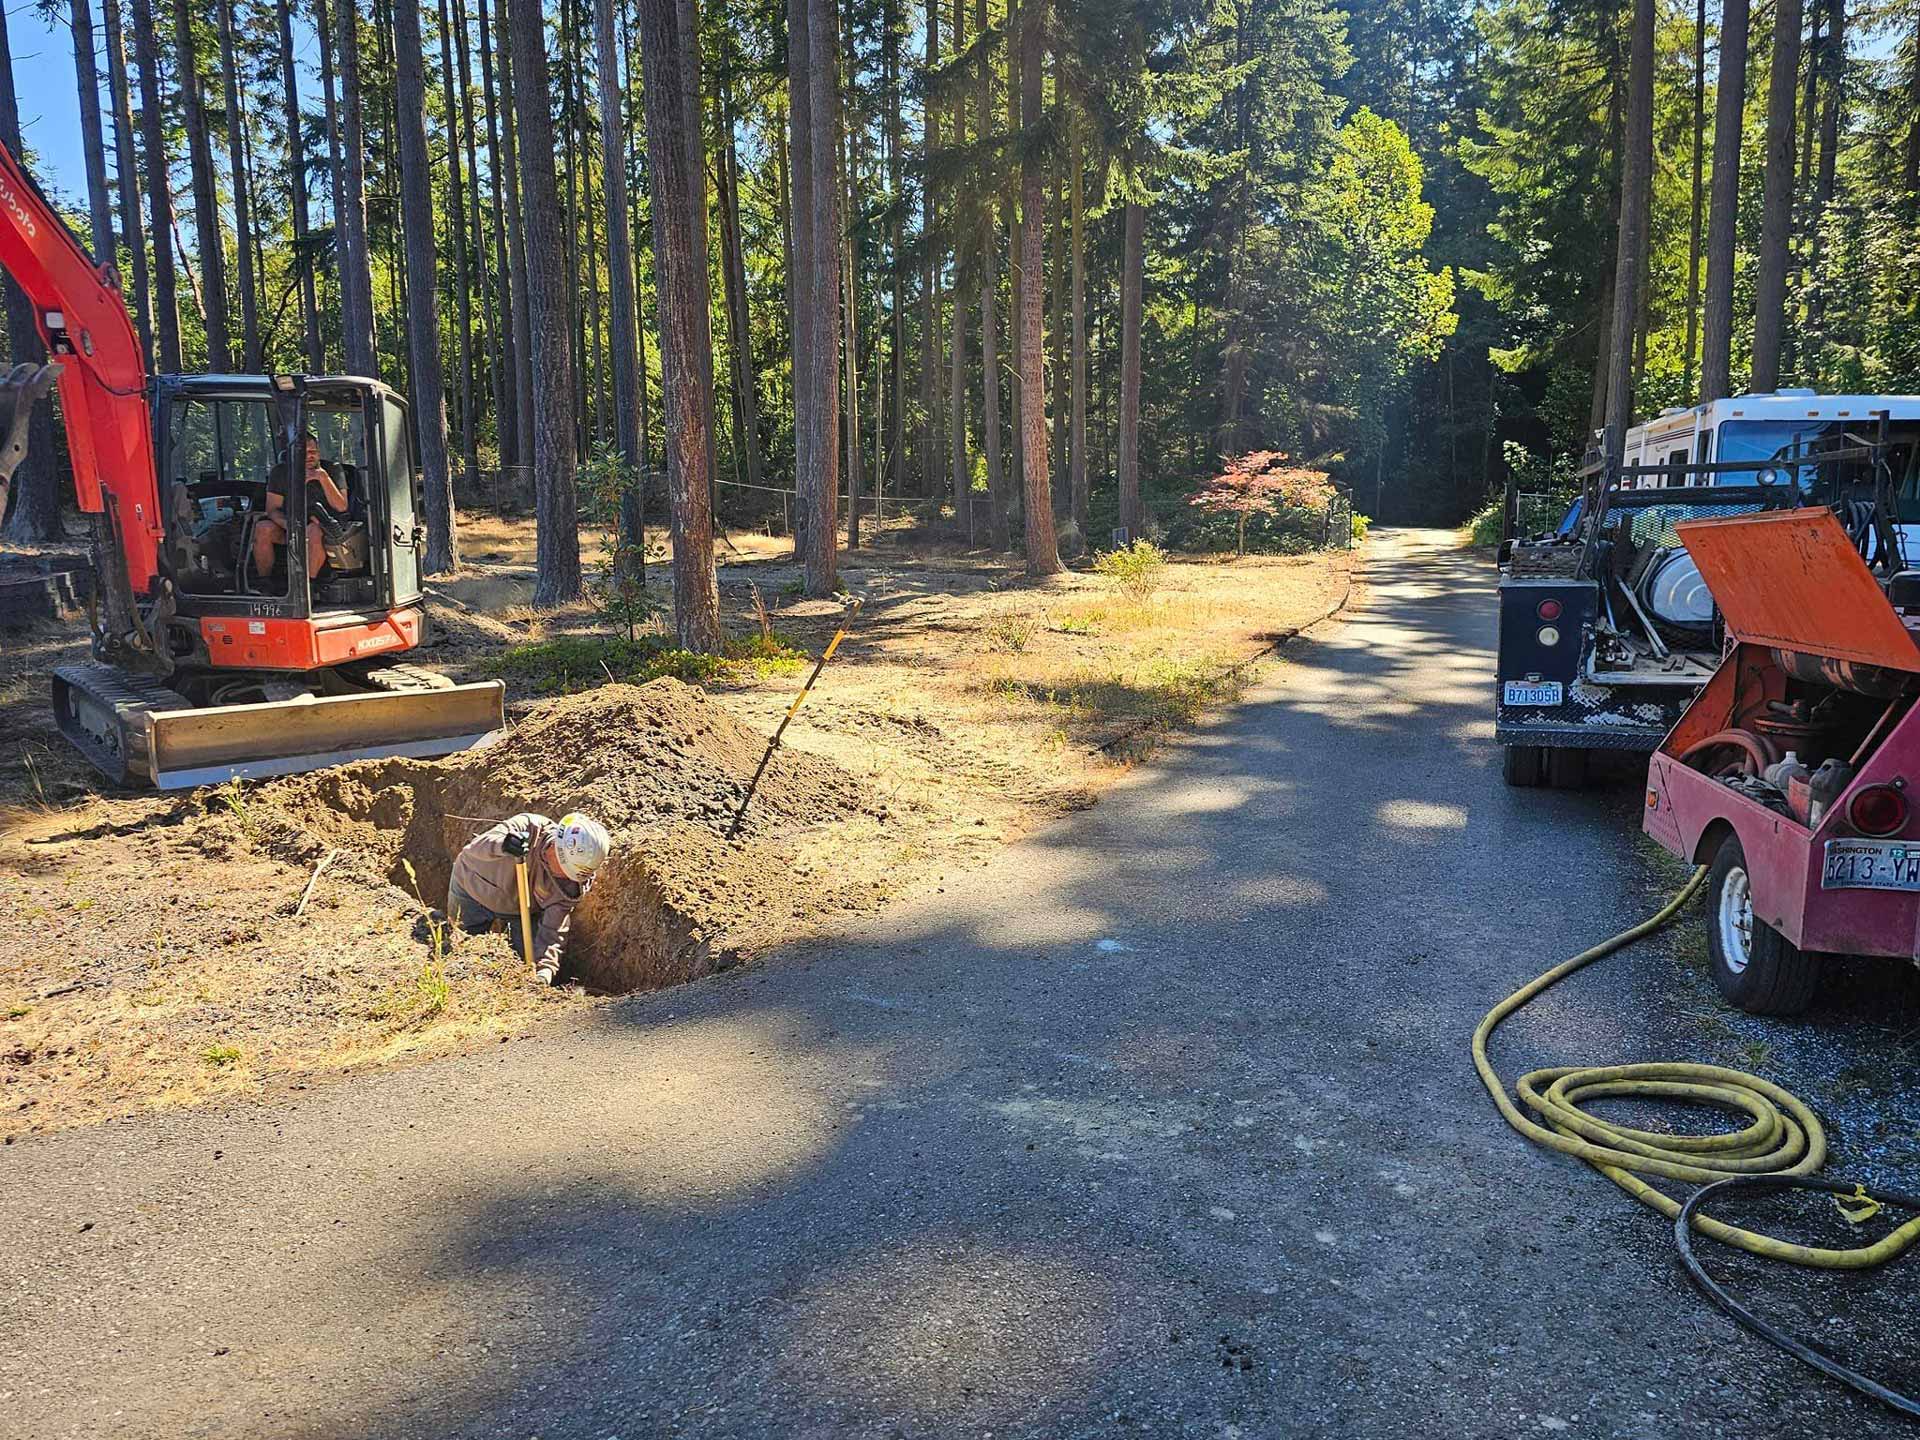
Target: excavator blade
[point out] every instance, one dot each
(137, 732)
(285, 737)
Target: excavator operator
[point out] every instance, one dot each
(325, 492)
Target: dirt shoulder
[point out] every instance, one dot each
(157, 950)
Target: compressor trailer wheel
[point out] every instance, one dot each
(1781, 1147)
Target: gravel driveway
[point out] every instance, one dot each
(1161, 1124)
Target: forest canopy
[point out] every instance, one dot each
(1042, 265)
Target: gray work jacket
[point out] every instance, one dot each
(484, 870)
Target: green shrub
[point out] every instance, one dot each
(579, 662)
(1361, 524)
(1011, 633)
(1484, 527)
(1136, 571)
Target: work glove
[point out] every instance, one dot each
(515, 844)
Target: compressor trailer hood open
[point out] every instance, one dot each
(1792, 580)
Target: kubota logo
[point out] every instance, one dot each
(18, 211)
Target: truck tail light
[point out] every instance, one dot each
(1878, 810)
(1548, 610)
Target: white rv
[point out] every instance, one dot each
(1754, 429)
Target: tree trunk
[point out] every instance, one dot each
(850, 360)
(423, 297)
(336, 162)
(1910, 171)
(557, 525)
(679, 226)
(1833, 57)
(632, 179)
(463, 319)
(997, 534)
(807, 419)
(356, 261)
(746, 396)
(211, 247)
(813, 83)
(462, 284)
(929, 458)
(315, 352)
(1636, 182)
(92, 136)
(1132, 283)
(1723, 209)
(1016, 278)
(896, 433)
(1057, 337)
(153, 142)
(127, 173)
(1603, 348)
(957, 330)
(508, 367)
(1776, 209)
(250, 356)
(1699, 196)
(32, 513)
(622, 321)
(1043, 553)
(1077, 425)
(475, 242)
(693, 100)
(1233, 361)
(521, 371)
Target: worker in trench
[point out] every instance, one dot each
(561, 857)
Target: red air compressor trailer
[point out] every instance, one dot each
(1792, 772)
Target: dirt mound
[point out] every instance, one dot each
(662, 766)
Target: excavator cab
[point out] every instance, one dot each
(238, 496)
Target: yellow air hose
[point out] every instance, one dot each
(1781, 1145)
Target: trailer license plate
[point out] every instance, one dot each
(1520, 692)
(1871, 865)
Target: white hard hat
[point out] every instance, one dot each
(580, 845)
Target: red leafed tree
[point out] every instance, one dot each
(1262, 483)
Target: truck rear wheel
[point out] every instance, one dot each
(1523, 766)
(1566, 768)
(1755, 966)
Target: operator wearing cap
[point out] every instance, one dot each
(561, 858)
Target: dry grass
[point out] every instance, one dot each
(149, 956)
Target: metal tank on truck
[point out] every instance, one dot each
(1607, 630)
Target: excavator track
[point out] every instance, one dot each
(403, 678)
(107, 714)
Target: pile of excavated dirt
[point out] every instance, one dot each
(662, 766)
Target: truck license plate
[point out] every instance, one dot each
(1520, 692)
(1871, 865)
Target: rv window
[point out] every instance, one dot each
(1678, 460)
(1702, 450)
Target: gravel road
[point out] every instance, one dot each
(1161, 1124)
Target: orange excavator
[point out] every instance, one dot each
(207, 666)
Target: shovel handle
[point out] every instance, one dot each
(526, 927)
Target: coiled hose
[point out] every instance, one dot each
(1779, 1148)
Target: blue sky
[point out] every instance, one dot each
(49, 99)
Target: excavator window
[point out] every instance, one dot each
(219, 455)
